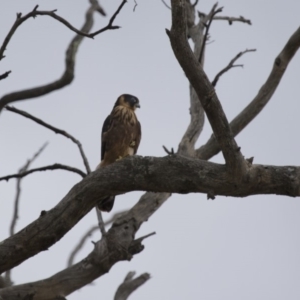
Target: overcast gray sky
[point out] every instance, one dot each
(229, 248)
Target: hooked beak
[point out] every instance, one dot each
(137, 105)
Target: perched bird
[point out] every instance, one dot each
(121, 136)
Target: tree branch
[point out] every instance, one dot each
(167, 175)
(193, 131)
(210, 16)
(230, 65)
(225, 18)
(45, 168)
(33, 14)
(89, 233)
(68, 74)
(130, 284)
(263, 96)
(110, 25)
(5, 75)
(17, 200)
(54, 129)
(205, 91)
(119, 244)
(165, 4)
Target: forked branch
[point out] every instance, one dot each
(170, 174)
(68, 74)
(54, 129)
(263, 96)
(130, 284)
(88, 234)
(205, 91)
(230, 65)
(110, 25)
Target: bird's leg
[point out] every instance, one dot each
(119, 158)
(132, 144)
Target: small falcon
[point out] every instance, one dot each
(121, 136)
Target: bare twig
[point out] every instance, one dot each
(230, 65)
(68, 74)
(89, 233)
(5, 75)
(46, 168)
(165, 3)
(33, 14)
(110, 25)
(130, 284)
(226, 18)
(56, 130)
(135, 5)
(195, 4)
(169, 152)
(97, 7)
(139, 240)
(263, 96)
(17, 199)
(100, 221)
(211, 15)
(18, 188)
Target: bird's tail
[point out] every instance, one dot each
(106, 204)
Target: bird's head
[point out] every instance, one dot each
(128, 101)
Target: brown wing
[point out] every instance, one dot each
(116, 141)
(106, 126)
(138, 136)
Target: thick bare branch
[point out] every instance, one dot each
(89, 233)
(119, 244)
(5, 75)
(130, 284)
(191, 135)
(56, 130)
(205, 91)
(3, 284)
(68, 74)
(265, 93)
(45, 168)
(230, 65)
(171, 174)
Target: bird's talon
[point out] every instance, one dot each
(132, 144)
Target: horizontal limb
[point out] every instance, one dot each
(45, 168)
(167, 175)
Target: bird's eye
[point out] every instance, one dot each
(133, 100)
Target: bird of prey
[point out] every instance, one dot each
(121, 136)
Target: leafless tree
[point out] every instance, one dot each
(185, 171)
